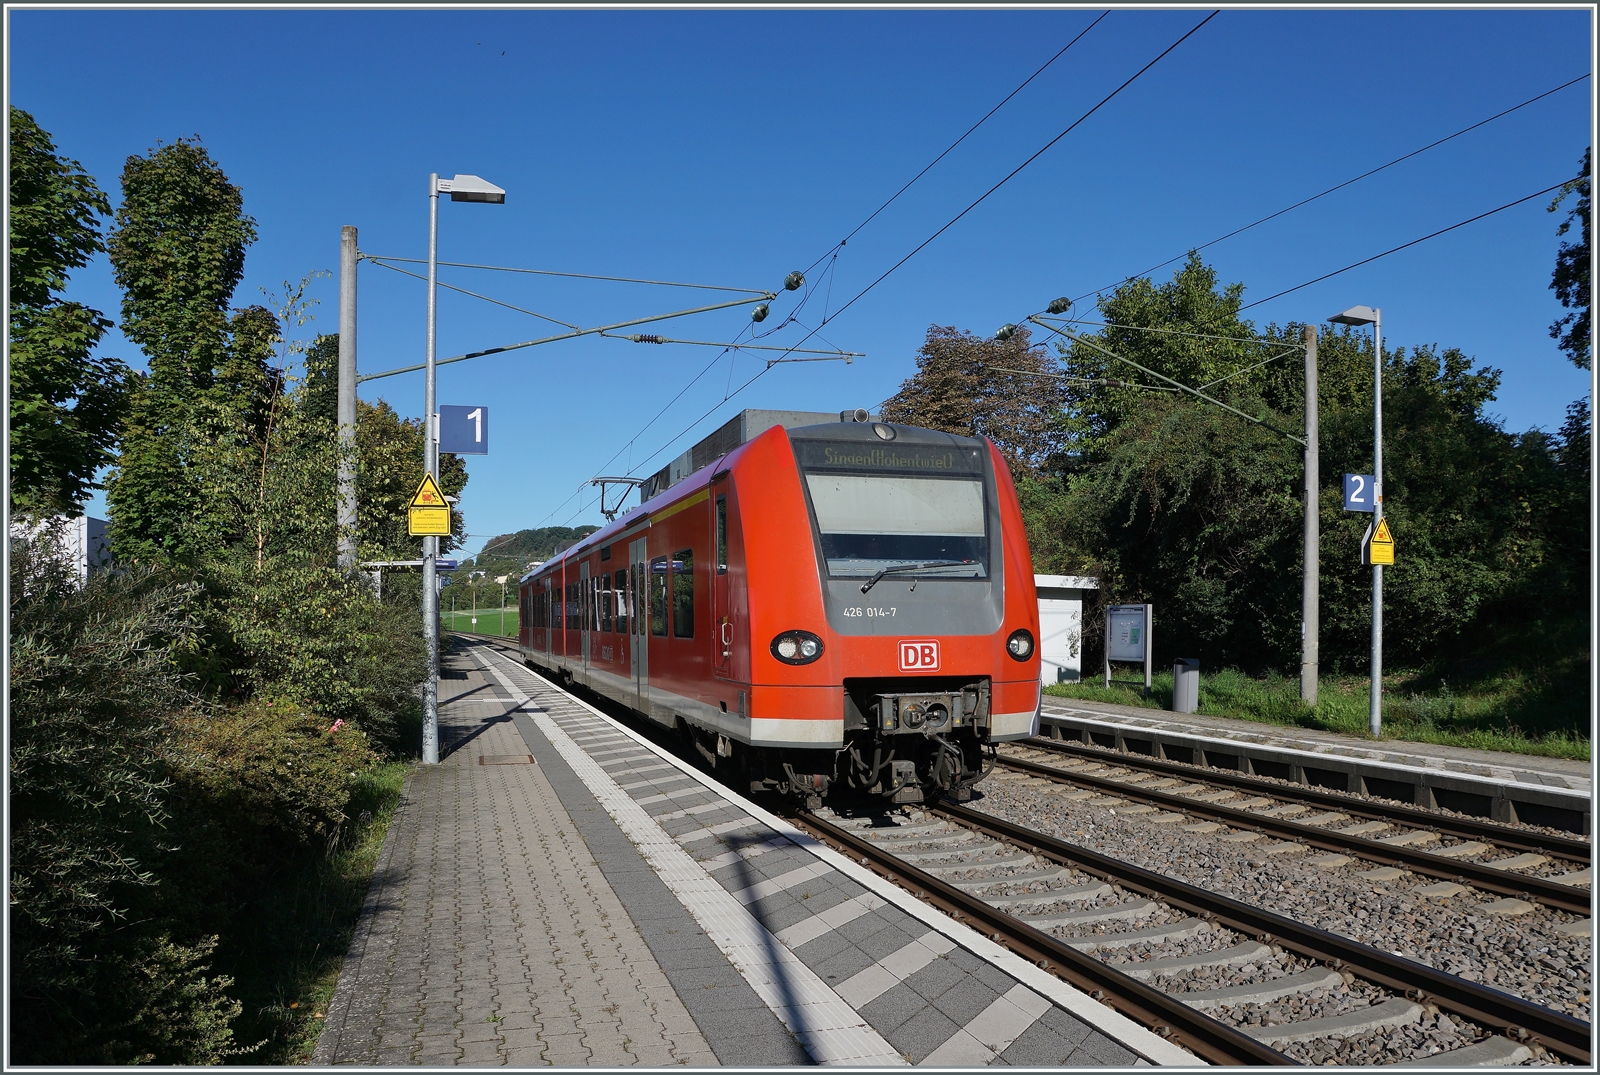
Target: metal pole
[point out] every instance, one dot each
(1108, 646)
(1149, 644)
(430, 545)
(348, 258)
(1375, 712)
(1310, 583)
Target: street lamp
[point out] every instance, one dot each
(463, 188)
(1366, 315)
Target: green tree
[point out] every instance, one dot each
(178, 251)
(66, 403)
(1570, 280)
(961, 386)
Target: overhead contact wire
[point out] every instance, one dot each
(1009, 176)
(1338, 186)
(1404, 246)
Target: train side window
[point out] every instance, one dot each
(722, 535)
(572, 606)
(607, 602)
(658, 596)
(683, 594)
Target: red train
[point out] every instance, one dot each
(816, 604)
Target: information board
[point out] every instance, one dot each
(1128, 632)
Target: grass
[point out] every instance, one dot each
(300, 931)
(1545, 713)
(490, 621)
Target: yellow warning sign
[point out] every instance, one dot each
(429, 514)
(1380, 545)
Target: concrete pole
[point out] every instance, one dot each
(348, 258)
(430, 545)
(1310, 583)
(1375, 712)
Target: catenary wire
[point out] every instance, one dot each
(451, 287)
(834, 250)
(969, 131)
(1337, 187)
(981, 198)
(1012, 174)
(570, 275)
(1404, 246)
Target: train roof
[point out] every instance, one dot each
(739, 430)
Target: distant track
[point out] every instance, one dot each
(1553, 894)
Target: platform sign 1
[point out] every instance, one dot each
(1360, 492)
(429, 511)
(464, 430)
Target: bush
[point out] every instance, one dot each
(94, 978)
(268, 771)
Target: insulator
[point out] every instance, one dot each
(759, 313)
(794, 281)
(1059, 306)
(1005, 332)
(643, 338)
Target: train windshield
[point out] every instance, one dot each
(913, 524)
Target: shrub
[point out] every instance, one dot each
(268, 771)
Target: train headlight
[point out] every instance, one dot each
(797, 647)
(1020, 644)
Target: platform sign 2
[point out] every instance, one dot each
(1360, 492)
(464, 430)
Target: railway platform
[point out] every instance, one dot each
(1506, 787)
(559, 891)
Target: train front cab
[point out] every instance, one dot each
(922, 667)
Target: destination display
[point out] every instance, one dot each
(888, 458)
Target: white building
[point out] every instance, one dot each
(1061, 625)
(84, 543)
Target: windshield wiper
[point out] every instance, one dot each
(873, 581)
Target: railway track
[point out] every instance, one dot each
(1286, 991)
(1521, 838)
(1389, 836)
(1231, 982)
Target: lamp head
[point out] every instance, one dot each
(472, 188)
(1356, 315)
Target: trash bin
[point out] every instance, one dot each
(1186, 685)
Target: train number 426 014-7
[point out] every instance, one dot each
(869, 612)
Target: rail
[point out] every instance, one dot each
(1520, 1019)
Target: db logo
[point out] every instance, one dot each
(919, 655)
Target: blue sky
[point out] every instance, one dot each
(730, 147)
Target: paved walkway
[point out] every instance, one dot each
(558, 892)
(1496, 764)
(490, 935)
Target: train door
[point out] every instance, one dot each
(584, 617)
(721, 602)
(639, 623)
